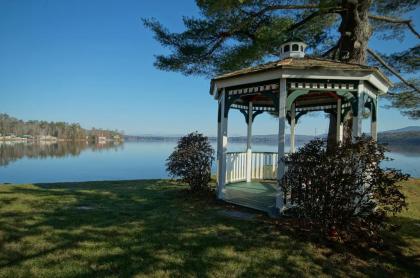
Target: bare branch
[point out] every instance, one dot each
(391, 69)
(395, 20)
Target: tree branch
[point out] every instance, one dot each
(395, 20)
(225, 35)
(300, 7)
(303, 21)
(326, 53)
(391, 69)
(292, 7)
(297, 7)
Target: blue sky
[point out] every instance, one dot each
(91, 62)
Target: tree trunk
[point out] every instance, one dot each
(355, 32)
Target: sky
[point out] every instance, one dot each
(91, 62)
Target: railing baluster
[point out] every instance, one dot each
(235, 164)
(263, 166)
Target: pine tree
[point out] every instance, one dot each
(233, 34)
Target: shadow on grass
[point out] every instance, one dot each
(134, 227)
(125, 228)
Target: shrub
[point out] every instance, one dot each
(191, 161)
(343, 190)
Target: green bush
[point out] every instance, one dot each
(191, 161)
(345, 190)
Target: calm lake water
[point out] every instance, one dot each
(35, 163)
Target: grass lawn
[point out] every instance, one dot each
(149, 228)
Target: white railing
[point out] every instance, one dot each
(235, 167)
(263, 166)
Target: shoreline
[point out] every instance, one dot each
(122, 181)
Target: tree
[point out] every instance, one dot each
(345, 189)
(233, 34)
(191, 161)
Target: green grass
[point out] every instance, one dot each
(150, 228)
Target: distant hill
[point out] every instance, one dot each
(399, 137)
(403, 140)
(272, 139)
(256, 139)
(150, 138)
(405, 129)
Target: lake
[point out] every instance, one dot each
(59, 162)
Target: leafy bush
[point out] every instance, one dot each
(344, 190)
(191, 161)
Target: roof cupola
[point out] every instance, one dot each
(292, 49)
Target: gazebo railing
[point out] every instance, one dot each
(235, 167)
(263, 166)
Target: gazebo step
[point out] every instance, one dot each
(256, 195)
(250, 204)
(268, 207)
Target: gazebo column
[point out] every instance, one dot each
(248, 144)
(292, 127)
(357, 113)
(373, 119)
(339, 127)
(281, 141)
(218, 139)
(222, 147)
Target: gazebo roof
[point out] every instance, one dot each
(302, 63)
(302, 67)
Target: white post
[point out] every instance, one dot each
(339, 128)
(292, 128)
(281, 141)
(357, 119)
(223, 140)
(248, 144)
(219, 139)
(374, 120)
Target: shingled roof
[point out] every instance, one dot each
(300, 63)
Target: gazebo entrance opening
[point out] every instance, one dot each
(251, 170)
(289, 89)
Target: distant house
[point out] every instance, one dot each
(26, 137)
(101, 139)
(13, 138)
(116, 137)
(46, 138)
(7, 138)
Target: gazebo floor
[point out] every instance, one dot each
(259, 195)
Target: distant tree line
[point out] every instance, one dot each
(10, 126)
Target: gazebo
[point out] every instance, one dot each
(289, 88)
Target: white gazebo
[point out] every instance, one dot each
(290, 88)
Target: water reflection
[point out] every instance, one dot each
(69, 161)
(13, 151)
